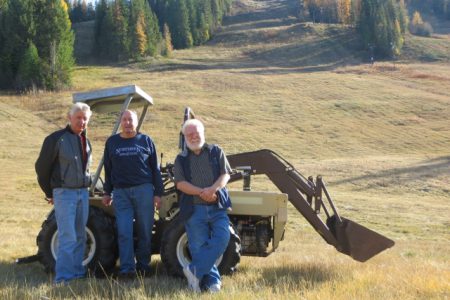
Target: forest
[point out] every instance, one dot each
(37, 40)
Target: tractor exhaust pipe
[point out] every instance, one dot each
(27, 259)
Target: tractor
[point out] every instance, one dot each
(257, 219)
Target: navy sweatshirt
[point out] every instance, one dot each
(131, 162)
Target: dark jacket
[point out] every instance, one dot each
(186, 201)
(60, 163)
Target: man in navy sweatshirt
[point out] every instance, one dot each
(133, 184)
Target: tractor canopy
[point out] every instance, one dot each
(117, 99)
(113, 99)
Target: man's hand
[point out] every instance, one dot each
(157, 201)
(106, 200)
(49, 201)
(208, 194)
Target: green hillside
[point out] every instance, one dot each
(378, 134)
(84, 42)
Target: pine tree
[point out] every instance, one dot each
(153, 32)
(206, 17)
(379, 26)
(119, 45)
(4, 63)
(141, 36)
(161, 9)
(54, 40)
(65, 58)
(100, 34)
(193, 21)
(28, 75)
(179, 22)
(395, 34)
(355, 11)
(382, 31)
(37, 44)
(168, 47)
(18, 27)
(137, 27)
(403, 16)
(203, 29)
(190, 22)
(216, 12)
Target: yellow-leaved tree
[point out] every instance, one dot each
(344, 11)
(168, 47)
(141, 37)
(416, 19)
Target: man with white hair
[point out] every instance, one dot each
(63, 175)
(201, 173)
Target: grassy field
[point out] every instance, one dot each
(379, 135)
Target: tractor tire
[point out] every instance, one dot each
(232, 255)
(175, 253)
(101, 248)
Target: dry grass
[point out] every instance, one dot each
(379, 135)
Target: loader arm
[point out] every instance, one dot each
(345, 235)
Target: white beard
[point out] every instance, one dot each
(196, 146)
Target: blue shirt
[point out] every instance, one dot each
(131, 162)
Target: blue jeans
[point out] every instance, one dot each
(208, 235)
(134, 203)
(71, 212)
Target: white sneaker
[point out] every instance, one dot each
(193, 282)
(215, 288)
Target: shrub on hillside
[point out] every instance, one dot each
(322, 11)
(419, 27)
(440, 8)
(424, 29)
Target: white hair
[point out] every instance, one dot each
(193, 122)
(79, 106)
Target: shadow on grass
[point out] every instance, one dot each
(30, 281)
(23, 275)
(424, 170)
(290, 278)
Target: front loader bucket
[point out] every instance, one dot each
(357, 241)
(347, 236)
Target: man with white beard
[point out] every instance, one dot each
(201, 173)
